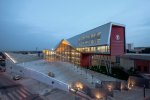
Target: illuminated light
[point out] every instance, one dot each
(121, 87)
(98, 96)
(69, 86)
(131, 84)
(73, 90)
(109, 88)
(79, 86)
(129, 88)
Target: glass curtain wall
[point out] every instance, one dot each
(49, 55)
(66, 53)
(98, 49)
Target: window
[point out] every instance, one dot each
(102, 49)
(92, 41)
(88, 36)
(92, 35)
(98, 41)
(98, 34)
(117, 59)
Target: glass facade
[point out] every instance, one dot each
(89, 39)
(66, 53)
(49, 55)
(91, 47)
(99, 60)
(95, 49)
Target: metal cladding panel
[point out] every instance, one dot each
(104, 37)
(117, 40)
(144, 65)
(85, 60)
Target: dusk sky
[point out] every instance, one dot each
(27, 24)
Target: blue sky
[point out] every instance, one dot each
(27, 24)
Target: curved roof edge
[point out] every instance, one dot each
(117, 24)
(61, 42)
(105, 29)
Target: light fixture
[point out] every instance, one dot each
(109, 87)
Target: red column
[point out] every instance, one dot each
(85, 60)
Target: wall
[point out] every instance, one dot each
(138, 81)
(117, 40)
(85, 60)
(144, 66)
(126, 63)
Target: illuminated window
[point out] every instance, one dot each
(98, 34)
(98, 40)
(88, 36)
(92, 41)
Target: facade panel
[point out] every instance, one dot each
(93, 37)
(85, 60)
(117, 40)
(142, 66)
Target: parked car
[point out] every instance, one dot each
(51, 74)
(17, 77)
(2, 62)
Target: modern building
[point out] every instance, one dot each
(102, 46)
(140, 62)
(129, 46)
(99, 46)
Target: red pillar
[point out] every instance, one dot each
(85, 60)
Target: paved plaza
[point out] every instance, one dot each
(67, 72)
(45, 91)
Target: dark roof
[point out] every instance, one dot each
(137, 56)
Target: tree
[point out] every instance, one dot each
(146, 50)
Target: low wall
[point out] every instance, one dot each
(12, 68)
(138, 81)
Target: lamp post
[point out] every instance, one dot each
(77, 67)
(81, 70)
(144, 91)
(86, 72)
(92, 78)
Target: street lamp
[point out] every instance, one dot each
(86, 73)
(92, 78)
(144, 91)
(77, 67)
(81, 70)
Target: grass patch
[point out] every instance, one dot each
(116, 72)
(119, 73)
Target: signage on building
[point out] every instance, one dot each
(117, 37)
